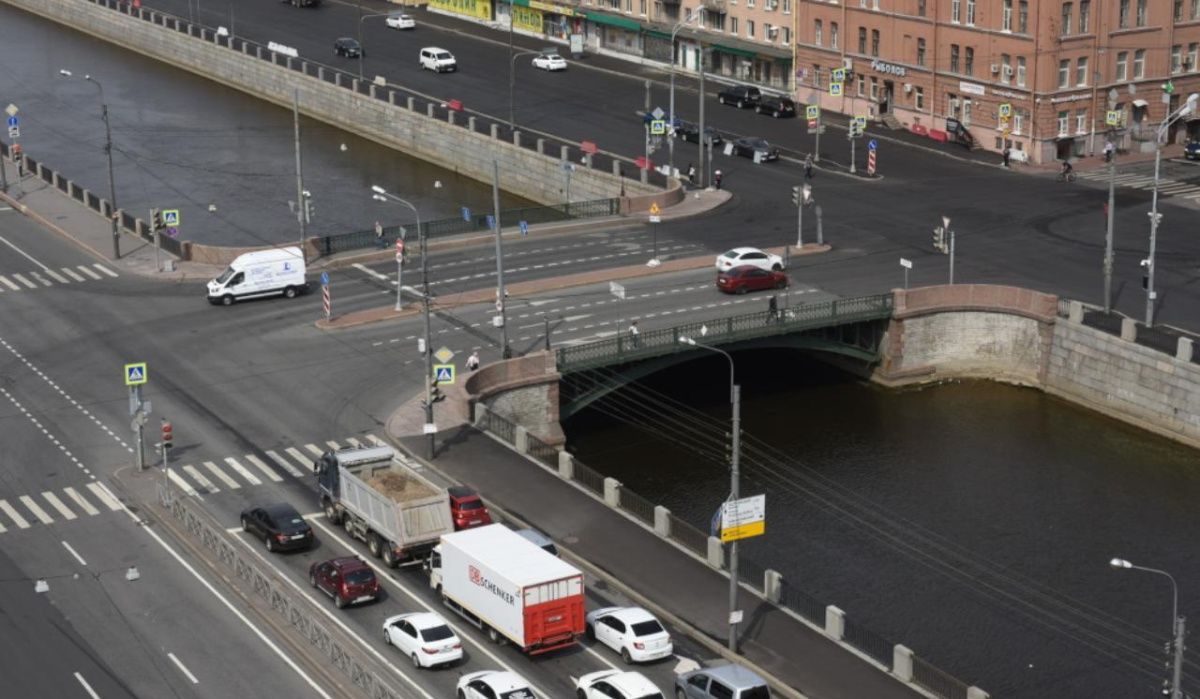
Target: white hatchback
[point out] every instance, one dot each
(493, 684)
(631, 631)
(749, 256)
(614, 684)
(424, 637)
(401, 21)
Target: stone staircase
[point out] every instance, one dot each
(889, 120)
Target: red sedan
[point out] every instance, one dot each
(745, 278)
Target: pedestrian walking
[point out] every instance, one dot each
(1007, 156)
(717, 179)
(1109, 151)
(691, 174)
(473, 361)
(379, 243)
(633, 334)
(808, 167)
(773, 308)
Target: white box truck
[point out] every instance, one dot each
(380, 498)
(509, 587)
(278, 271)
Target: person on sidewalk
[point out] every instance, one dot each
(379, 241)
(1109, 151)
(773, 308)
(691, 174)
(1007, 156)
(633, 334)
(717, 179)
(473, 361)
(808, 167)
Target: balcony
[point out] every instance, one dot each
(716, 6)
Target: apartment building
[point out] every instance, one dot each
(1038, 76)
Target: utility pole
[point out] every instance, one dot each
(646, 121)
(301, 202)
(853, 140)
(1108, 234)
(951, 257)
(1177, 669)
(817, 143)
(430, 428)
(505, 350)
(734, 481)
(700, 141)
(4, 173)
(400, 270)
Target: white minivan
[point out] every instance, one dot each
(438, 60)
(260, 273)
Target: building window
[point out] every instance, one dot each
(952, 100)
(1080, 121)
(1195, 9)
(1006, 16)
(787, 7)
(921, 51)
(919, 97)
(1123, 14)
(874, 88)
(921, 7)
(1176, 58)
(875, 42)
(1023, 16)
(966, 111)
(955, 10)
(1005, 67)
(1063, 118)
(971, 13)
(1018, 122)
(1066, 19)
(862, 86)
(953, 58)
(1085, 15)
(1081, 76)
(969, 61)
(816, 71)
(749, 26)
(1122, 65)
(1193, 50)
(1021, 69)
(817, 31)
(833, 35)
(1139, 63)
(1177, 14)
(1064, 72)
(733, 28)
(862, 40)
(629, 5)
(1141, 13)
(787, 35)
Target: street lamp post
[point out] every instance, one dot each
(671, 107)
(1187, 108)
(112, 187)
(362, 48)
(381, 194)
(1177, 624)
(512, 83)
(735, 401)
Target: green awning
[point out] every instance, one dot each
(518, 3)
(657, 34)
(614, 21)
(736, 52)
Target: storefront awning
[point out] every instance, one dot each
(1140, 103)
(736, 52)
(614, 21)
(657, 34)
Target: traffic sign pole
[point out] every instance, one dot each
(399, 271)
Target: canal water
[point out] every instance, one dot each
(973, 522)
(223, 158)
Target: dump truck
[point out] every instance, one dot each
(509, 588)
(381, 498)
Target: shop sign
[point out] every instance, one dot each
(1070, 98)
(971, 88)
(556, 9)
(889, 68)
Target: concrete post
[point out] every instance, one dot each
(645, 176)
(354, 85)
(516, 138)
(773, 586)
(258, 52)
(337, 79)
(481, 411)
(471, 124)
(86, 196)
(392, 97)
(289, 62)
(662, 521)
(57, 178)
(716, 553)
(541, 146)
(977, 693)
(521, 440)
(612, 492)
(566, 466)
(321, 73)
(371, 90)
(616, 168)
(1129, 329)
(1075, 312)
(429, 110)
(411, 103)
(1184, 351)
(496, 131)
(450, 117)
(902, 663)
(564, 153)
(835, 623)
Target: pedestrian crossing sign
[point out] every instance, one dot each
(135, 374)
(658, 127)
(170, 217)
(443, 374)
(1112, 117)
(835, 89)
(812, 111)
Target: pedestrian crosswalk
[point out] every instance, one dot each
(1135, 180)
(47, 507)
(41, 278)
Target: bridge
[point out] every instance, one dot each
(849, 327)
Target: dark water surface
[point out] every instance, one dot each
(972, 522)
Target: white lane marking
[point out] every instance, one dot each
(74, 553)
(221, 475)
(243, 471)
(105, 496)
(24, 281)
(57, 277)
(300, 458)
(333, 445)
(267, 470)
(22, 252)
(88, 272)
(375, 440)
(106, 270)
(283, 463)
(368, 270)
(314, 450)
(72, 274)
(41, 280)
(354, 442)
(199, 478)
(179, 664)
(9, 284)
(81, 501)
(13, 515)
(36, 509)
(58, 505)
(87, 687)
(183, 485)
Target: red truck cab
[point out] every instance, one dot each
(467, 508)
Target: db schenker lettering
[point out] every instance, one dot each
(478, 578)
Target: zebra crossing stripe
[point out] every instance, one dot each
(88, 272)
(72, 274)
(333, 445)
(314, 450)
(221, 475)
(1177, 188)
(81, 501)
(375, 440)
(36, 509)
(105, 496)
(283, 463)
(183, 485)
(9, 284)
(57, 277)
(106, 270)
(199, 478)
(300, 458)
(13, 514)
(24, 281)
(354, 442)
(40, 279)
(58, 504)
(242, 470)
(267, 470)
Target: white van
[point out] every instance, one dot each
(438, 60)
(260, 273)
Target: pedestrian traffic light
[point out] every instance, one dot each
(168, 436)
(1146, 282)
(156, 220)
(796, 195)
(435, 394)
(939, 239)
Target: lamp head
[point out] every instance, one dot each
(64, 72)
(1190, 106)
(377, 189)
(687, 340)
(378, 197)
(1119, 563)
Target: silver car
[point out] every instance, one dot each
(721, 682)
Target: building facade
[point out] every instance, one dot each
(1042, 77)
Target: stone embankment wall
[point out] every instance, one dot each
(523, 390)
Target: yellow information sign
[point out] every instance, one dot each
(654, 210)
(812, 111)
(744, 518)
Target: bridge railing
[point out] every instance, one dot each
(651, 343)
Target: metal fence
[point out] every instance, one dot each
(543, 452)
(500, 426)
(937, 682)
(802, 603)
(590, 479)
(637, 505)
(868, 641)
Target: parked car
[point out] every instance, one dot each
(632, 631)
(347, 47)
(1192, 150)
(424, 637)
(400, 20)
(549, 59)
(438, 60)
(614, 684)
(347, 580)
(467, 508)
(690, 132)
(748, 256)
(748, 147)
(721, 682)
(494, 684)
(279, 525)
(740, 96)
(302, 3)
(539, 540)
(776, 106)
(739, 280)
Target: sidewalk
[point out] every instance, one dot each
(672, 582)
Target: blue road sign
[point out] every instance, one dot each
(13, 121)
(872, 144)
(324, 278)
(524, 227)
(135, 374)
(443, 373)
(491, 222)
(466, 212)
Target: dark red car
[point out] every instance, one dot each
(347, 580)
(745, 278)
(467, 508)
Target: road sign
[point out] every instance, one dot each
(14, 132)
(11, 110)
(744, 518)
(1005, 110)
(835, 89)
(860, 123)
(617, 290)
(466, 213)
(524, 226)
(872, 144)
(658, 113)
(812, 111)
(658, 127)
(325, 278)
(906, 264)
(443, 374)
(839, 75)
(399, 249)
(1112, 117)
(654, 210)
(444, 355)
(170, 217)
(136, 374)
(13, 121)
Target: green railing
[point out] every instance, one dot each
(717, 331)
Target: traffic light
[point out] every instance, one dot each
(156, 220)
(796, 195)
(435, 394)
(939, 239)
(168, 436)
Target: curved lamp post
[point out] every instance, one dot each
(112, 187)
(1177, 622)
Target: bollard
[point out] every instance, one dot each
(977, 693)
(662, 521)
(612, 492)
(566, 466)
(429, 110)
(471, 123)
(1183, 352)
(773, 586)
(716, 553)
(392, 97)
(902, 663)
(517, 138)
(1129, 329)
(412, 104)
(1075, 312)
(541, 146)
(521, 440)
(450, 117)
(835, 623)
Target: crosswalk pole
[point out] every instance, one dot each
(1108, 235)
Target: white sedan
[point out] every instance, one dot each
(631, 631)
(749, 256)
(401, 21)
(493, 684)
(424, 637)
(549, 61)
(614, 684)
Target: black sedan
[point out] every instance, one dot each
(690, 132)
(345, 46)
(279, 525)
(755, 148)
(1191, 151)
